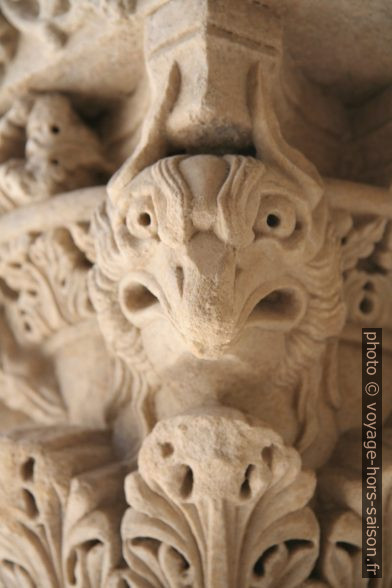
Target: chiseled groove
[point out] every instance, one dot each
(215, 31)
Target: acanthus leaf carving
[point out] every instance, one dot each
(57, 526)
(202, 309)
(56, 20)
(340, 513)
(46, 280)
(360, 242)
(218, 501)
(45, 301)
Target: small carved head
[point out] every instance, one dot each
(215, 245)
(60, 148)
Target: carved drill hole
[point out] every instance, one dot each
(245, 491)
(273, 221)
(369, 286)
(144, 219)
(267, 455)
(366, 305)
(259, 567)
(298, 225)
(293, 545)
(73, 558)
(349, 547)
(54, 161)
(180, 279)
(138, 297)
(30, 504)
(70, 569)
(7, 291)
(27, 469)
(16, 568)
(55, 129)
(89, 545)
(167, 449)
(187, 483)
(316, 575)
(136, 541)
(179, 561)
(146, 543)
(122, 583)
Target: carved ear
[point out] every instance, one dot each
(153, 143)
(270, 145)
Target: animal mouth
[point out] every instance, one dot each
(280, 308)
(139, 299)
(275, 307)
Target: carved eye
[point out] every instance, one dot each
(141, 220)
(276, 217)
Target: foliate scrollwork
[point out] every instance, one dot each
(340, 514)
(43, 291)
(20, 388)
(365, 236)
(55, 20)
(366, 254)
(49, 334)
(218, 501)
(58, 527)
(370, 296)
(45, 148)
(44, 281)
(362, 216)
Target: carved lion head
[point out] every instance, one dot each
(215, 245)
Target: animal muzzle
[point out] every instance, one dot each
(210, 320)
(205, 314)
(207, 321)
(196, 292)
(203, 294)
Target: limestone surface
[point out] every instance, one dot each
(195, 227)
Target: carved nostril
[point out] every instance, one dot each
(245, 490)
(180, 279)
(138, 297)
